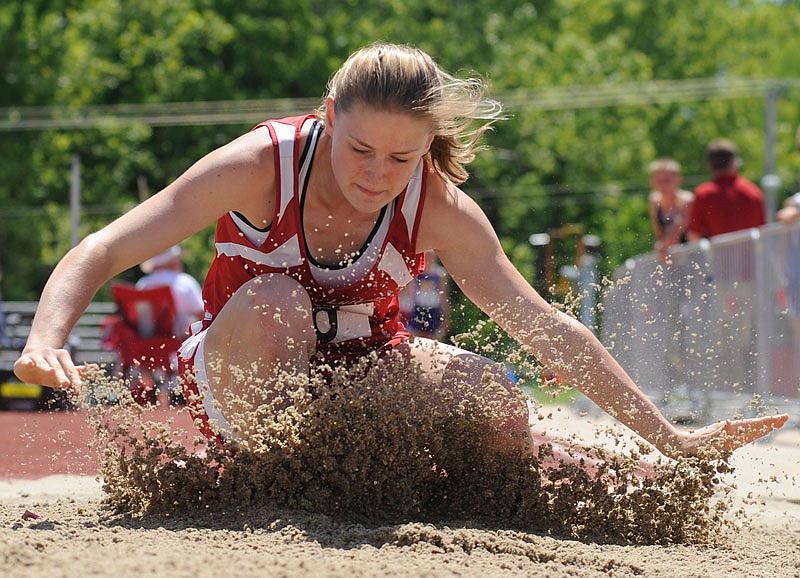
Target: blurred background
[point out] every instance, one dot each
(104, 102)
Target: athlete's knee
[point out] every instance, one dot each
(275, 286)
(275, 297)
(275, 306)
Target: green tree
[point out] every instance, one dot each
(571, 162)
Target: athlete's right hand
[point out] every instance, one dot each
(50, 367)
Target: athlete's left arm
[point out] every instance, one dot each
(476, 261)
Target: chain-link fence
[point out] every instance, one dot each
(714, 331)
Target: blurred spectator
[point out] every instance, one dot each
(728, 202)
(669, 205)
(424, 302)
(166, 269)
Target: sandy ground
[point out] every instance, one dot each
(56, 525)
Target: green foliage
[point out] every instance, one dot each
(546, 166)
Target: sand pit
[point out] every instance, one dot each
(62, 525)
(72, 538)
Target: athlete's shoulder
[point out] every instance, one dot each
(263, 141)
(248, 167)
(290, 127)
(446, 203)
(437, 186)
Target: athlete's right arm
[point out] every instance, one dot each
(238, 176)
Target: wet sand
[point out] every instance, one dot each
(62, 525)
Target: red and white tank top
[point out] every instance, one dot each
(355, 307)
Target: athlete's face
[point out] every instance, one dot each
(374, 153)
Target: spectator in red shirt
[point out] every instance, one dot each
(728, 202)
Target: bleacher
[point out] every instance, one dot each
(85, 341)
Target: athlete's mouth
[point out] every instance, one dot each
(369, 192)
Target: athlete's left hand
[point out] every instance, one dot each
(726, 436)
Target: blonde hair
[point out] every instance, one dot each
(665, 164)
(400, 78)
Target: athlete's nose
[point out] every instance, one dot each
(376, 169)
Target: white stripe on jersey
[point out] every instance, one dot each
(411, 202)
(285, 134)
(253, 235)
(287, 255)
(392, 263)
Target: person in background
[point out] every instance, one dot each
(425, 302)
(669, 205)
(728, 202)
(166, 269)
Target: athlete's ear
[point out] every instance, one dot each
(329, 115)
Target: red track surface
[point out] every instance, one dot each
(35, 444)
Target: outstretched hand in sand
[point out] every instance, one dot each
(727, 436)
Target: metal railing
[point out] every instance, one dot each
(717, 327)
